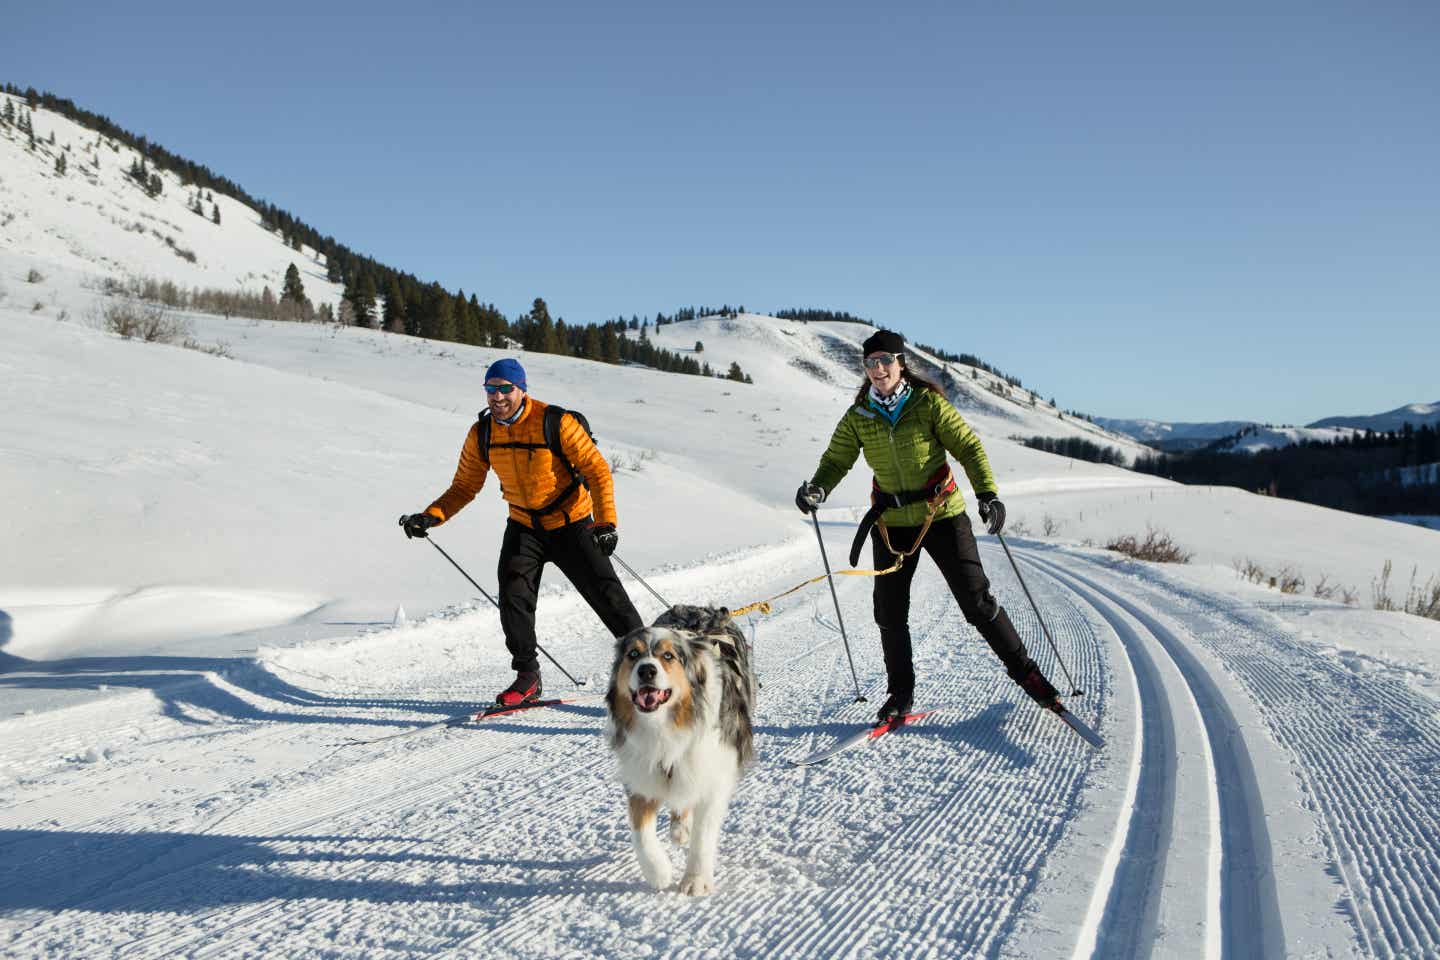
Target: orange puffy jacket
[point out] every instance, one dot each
(531, 476)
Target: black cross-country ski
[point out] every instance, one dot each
(1081, 728)
(476, 716)
(864, 735)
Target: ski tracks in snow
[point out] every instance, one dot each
(952, 837)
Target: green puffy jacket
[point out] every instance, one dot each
(908, 454)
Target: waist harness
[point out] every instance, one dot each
(936, 491)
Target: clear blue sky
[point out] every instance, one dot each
(1226, 213)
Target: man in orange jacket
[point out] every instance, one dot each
(553, 517)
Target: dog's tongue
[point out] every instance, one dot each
(648, 698)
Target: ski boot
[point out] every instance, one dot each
(897, 705)
(1033, 682)
(525, 688)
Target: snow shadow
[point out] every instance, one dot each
(183, 872)
(984, 732)
(197, 690)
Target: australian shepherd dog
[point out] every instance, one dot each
(681, 698)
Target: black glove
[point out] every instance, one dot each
(605, 537)
(416, 524)
(992, 511)
(809, 496)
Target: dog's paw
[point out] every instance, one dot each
(694, 885)
(679, 831)
(656, 871)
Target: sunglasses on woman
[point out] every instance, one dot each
(504, 388)
(881, 360)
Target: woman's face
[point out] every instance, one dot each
(883, 369)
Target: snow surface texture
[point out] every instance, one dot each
(199, 610)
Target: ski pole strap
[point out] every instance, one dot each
(936, 491)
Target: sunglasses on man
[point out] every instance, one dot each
(504, 388)
(881, 360)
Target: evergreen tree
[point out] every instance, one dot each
(442, 315)
(540, 330)
(215, 213)
(294, 289)
(9, 114)
(60, 164)
(363, 301)
(610, 344)
(735, 372)
(394, 315)
(699, 347)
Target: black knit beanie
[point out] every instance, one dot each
(883, 340)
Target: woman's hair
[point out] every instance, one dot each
(914, 379)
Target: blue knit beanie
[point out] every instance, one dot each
(507, 369)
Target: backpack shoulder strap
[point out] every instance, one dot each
(482, 434)
(551, 430)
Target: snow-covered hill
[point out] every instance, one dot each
(774, 351)
(198, 613)
(94, 221)
(1415, 414)
(1253, 436)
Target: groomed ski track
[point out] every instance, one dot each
(1240, 763)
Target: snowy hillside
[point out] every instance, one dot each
(1255, 438)
(1179, 437)
(95, 221)
(774, 351)
(1416, 414)
(201, 603)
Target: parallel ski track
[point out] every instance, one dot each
(1128, 921)
(1366, 753)
(1248, 909)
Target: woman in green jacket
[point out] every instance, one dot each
(905, 426)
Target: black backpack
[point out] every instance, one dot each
(550, 429)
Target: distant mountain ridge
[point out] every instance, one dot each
(1253, 435)
(1416, 414)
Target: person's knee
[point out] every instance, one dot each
(981, 611)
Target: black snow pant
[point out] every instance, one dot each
(951, 544)
(524, 553)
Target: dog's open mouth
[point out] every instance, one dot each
(648, 699)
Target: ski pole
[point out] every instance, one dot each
(1076, 691)
(859, 697)
(641, 580)
(578, 683)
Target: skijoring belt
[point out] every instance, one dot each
(940, 485)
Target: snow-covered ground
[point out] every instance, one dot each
(198, 612)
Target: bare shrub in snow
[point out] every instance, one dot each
(219, 348)
(1049, 526)
(1380, 590)
(1157, 547)
(1422, 601)
(34, 276)
(1289, 581)
(150, 322)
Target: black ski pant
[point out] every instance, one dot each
(951, 544)
(524, 553)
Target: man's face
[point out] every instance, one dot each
(502, 404)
